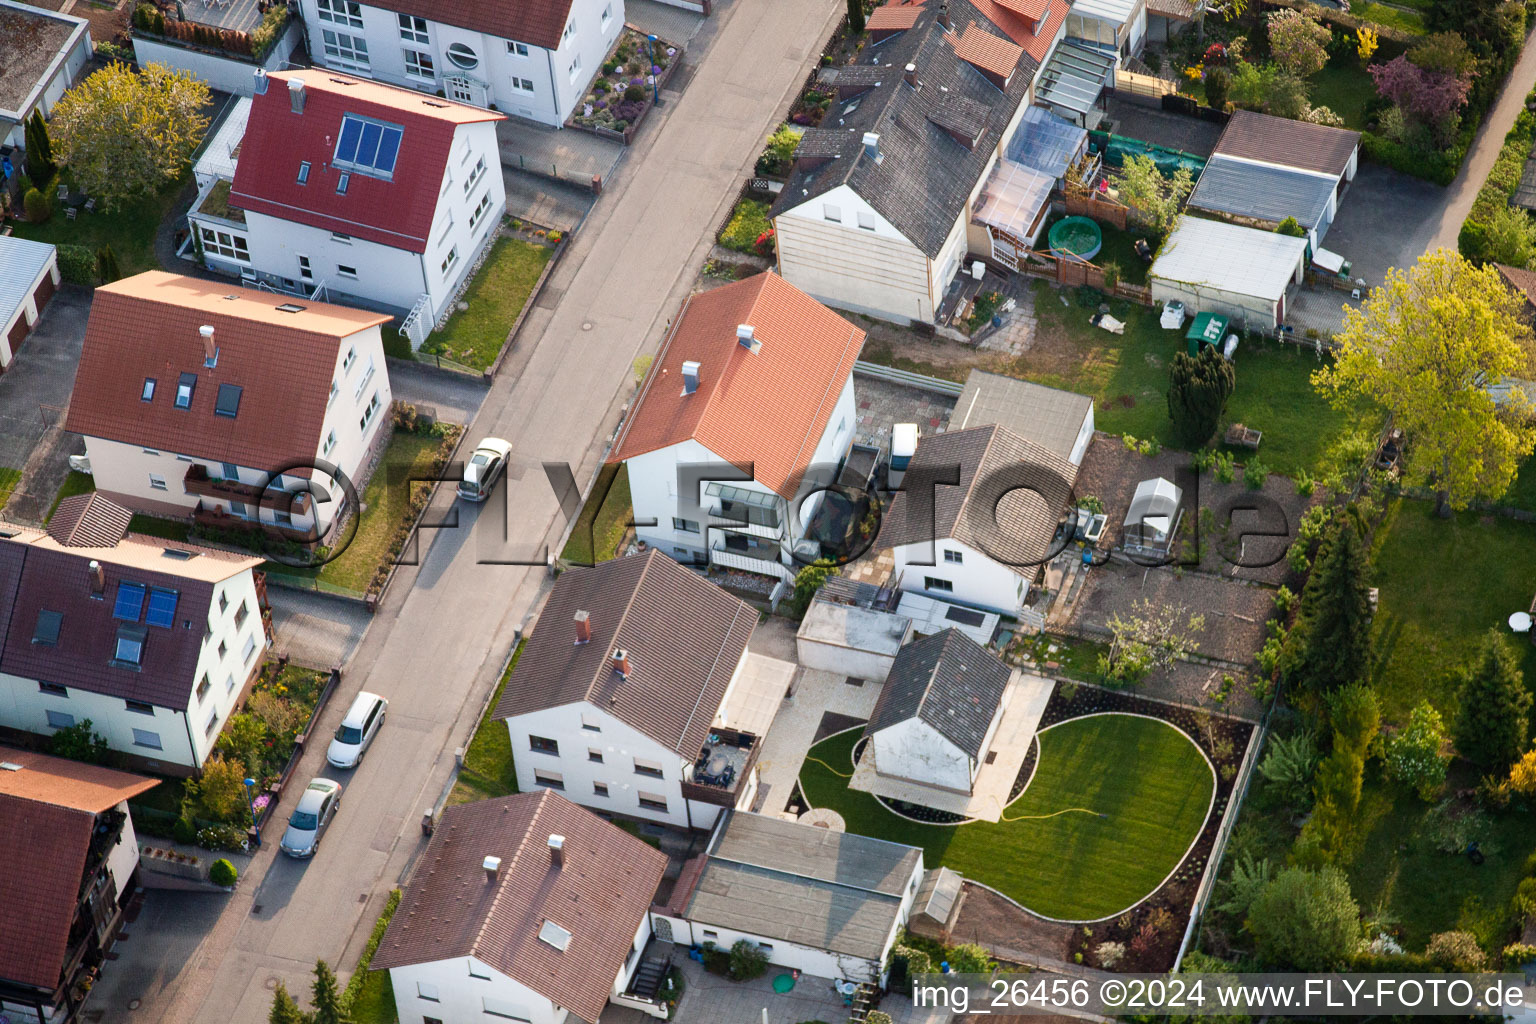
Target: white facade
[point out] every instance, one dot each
(915, 751)
(226, 74)
(336, 266)
(683, 522)
(62, 71)
(356, 424)
(849, 641)
(975, 579)
(1116, 25)
(228, 658)
(610, 766)
(513, 76)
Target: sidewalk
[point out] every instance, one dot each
(562, 153)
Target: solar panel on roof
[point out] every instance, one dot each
(372, 147)
(162, 607)
(130, 601)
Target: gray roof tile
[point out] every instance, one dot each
(950, 682)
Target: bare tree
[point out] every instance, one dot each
(1152, 636)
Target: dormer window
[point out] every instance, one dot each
(304, 173)
(184, 388)
(148, 393)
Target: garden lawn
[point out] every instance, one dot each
(1400, 873)
(1522, 493)
(488, 770)
(1346, 89)
(75, 483)
(9, 478)
(496, 296)
(604, 518)
(1152, 785)
(154, 526)
(130, 231)
(1391, 16)
(370, 995)
(387, 498)
(1443, 583)
(748, 221)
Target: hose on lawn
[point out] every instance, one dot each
(1054, 814)
(834, 771)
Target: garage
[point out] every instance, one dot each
(29, 275)
(1239, 272)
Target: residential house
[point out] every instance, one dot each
(1282, 142)
(977, 517)
(636, 695)
(523, 908)
(70, 859)
(532, 60)
(755, 374)
(827, 903)
(29, 275)
(353, 191)
(1059, 420)
(875, 215)
(206, 401)
(1239, 272)
(154, 641)
(45, 52)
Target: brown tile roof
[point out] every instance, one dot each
(1036, 35)
(1181, 10)
(893, 17)
(89, 521)
(48, 807)
(43, 848)
(146, 326)
(768, 408)
(65, 783)
(1031, 9)
(684, 636)
(987, 52)
(1010, 495)
(37, 575)
(1279, 140)
(539, 22)
(599, 895)
(1521, 280)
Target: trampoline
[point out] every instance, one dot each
(1076, 238)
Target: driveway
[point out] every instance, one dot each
(453, 397)
(316, 630)
(34, 395)
(438, 643)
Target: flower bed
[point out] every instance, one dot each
(626, 90)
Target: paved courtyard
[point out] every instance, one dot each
(882, 404)
(34, 395)
(316, 630)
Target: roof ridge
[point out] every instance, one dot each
(655, 375)
(709, 401)
(724, 642)
(986, 452)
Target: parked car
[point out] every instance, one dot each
(357, 730)
(485, 466)
(318, 804)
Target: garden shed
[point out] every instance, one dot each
(1153, 518)
(1240, 272)
(850, 641)
(29, 275)
(1264, 195)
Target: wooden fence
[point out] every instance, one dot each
(1106, 210)
(1143, 85)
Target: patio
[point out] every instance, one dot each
(237, 15)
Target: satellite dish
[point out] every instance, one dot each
(1520, 622)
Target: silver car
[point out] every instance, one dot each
(318, 804)
(484, 468)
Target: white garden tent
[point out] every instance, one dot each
(1153, 517)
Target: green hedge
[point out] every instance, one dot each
(1499, 186)
(77, 264)
(360, 976)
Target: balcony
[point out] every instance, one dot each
(749, 554)
(218, 519)
(199, 483)
(722, 768)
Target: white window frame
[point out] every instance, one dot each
(226, 244)
(157, 482)
(419, 64)
(478, 214)
(522, 85)
(369, 414)
(350, 273)
(475, 176)
(341, 12)
(575, 71)
(832, 213)
(345, 48)
(517, 49)
(412, 28)
(450, 261)
(329, 446)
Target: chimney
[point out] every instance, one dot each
(98, 579)
(556, 850)
(746, 337)
(210, 350)
(583, 627)
(492, 867)
(621, 662)
(296, 95)
(911, 75)
(943, 18)
(872, 146)
(261, 81)
(690, 377)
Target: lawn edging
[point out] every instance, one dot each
(489, 373)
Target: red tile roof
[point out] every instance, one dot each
(395, 212)
(987, 52)
(767, 408)
(540, 22)
(147, 327)
(600, 894)
(48, 807)
(1265, 138)
(1031, 9)
(1036, 36)
(893, 17)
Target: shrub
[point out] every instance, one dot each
(1305, 919)
(1254, 474)
(1218, 85)
(634, 93)
(1109, 954)
(77, 264)
(747, 224)
(79, 742)
(1412, 756)
(36, 206)
(1518, 955)
(184, 832)
(747, 960)
(1225, 467)
(1456, 951)
(222, 873)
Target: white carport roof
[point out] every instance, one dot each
(21, 261)
(1229, 258)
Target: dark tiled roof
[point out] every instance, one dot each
(963, 118)
(599, 895)
(1521, 280)
(924, 176)
(1049, 417)
(947, 680)
(1261, 192)
(1008, 501)
(43, 848)
(89, 521)
(684, 636)
(1279, 140)
(539, 22)
(146, 327)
